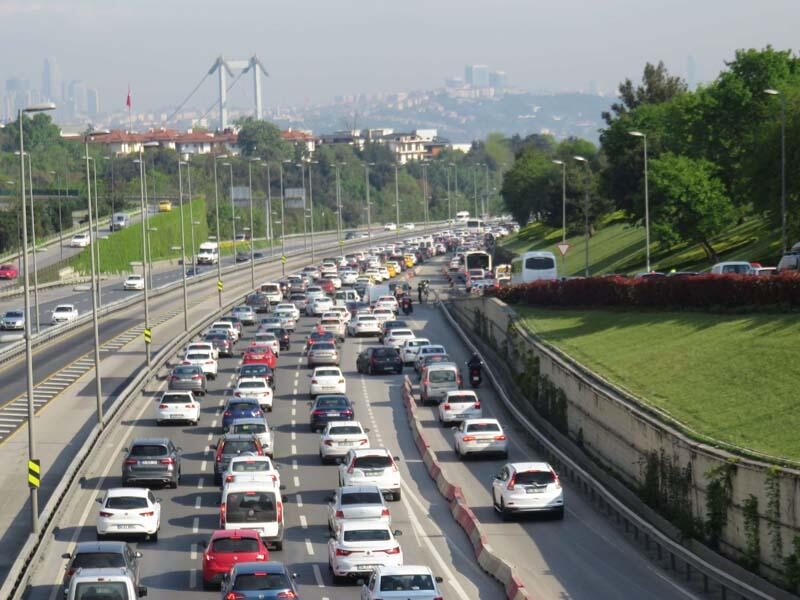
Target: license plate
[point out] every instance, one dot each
(149, 462)
(346, 443)
(532, 490)
(333, 414)
(374, 473)
(370, 567)
(174, 417)
(124, 526)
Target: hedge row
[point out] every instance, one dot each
(701, 291)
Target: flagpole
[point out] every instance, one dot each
(130, 117)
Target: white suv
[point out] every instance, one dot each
(371, 466)
(527, 487)
(459, 406)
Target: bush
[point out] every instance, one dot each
(701, 291)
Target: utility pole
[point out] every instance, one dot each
(397, 204)
(449, 207)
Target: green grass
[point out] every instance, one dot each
(121, 247)
(732, 378)
(618, 247)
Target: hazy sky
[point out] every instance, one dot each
(316, 49)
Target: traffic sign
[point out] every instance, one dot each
(148, 336)
(219, 284)
(283, 259)
(563, 247)
(34, 473)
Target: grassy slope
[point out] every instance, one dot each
(619, 248)
(726, 376)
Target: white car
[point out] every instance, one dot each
(390, 227)
(357, 503)
(338, 312)
(327, 380)
(255, 387)
(328, 268)
(336, 281)
(129, 511)
(287, 308)
(409, 226)
(426, 350)
(384, 272)
(374, 273)
(247, 467)
(364, 324)
(177, 406)
(409, 582)
(63, 313)
(133, 282)
(208, 346)
(313, 292)
(410, 348)
(480, 436)
(318, 305)
(80, 240)
(383, 314)
(458, 406)
(228, 326)
(389, 302)
(371, 466)
(339, 437)
(361, 546)
(271, 339)
(397, 337)
(348, 277)
(205, 360)
(527, 487)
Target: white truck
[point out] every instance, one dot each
(373, 292)
(208, 253)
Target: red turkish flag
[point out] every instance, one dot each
(128, 99)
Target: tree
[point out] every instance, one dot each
(688, 201)
(658, 86)
(263, 139)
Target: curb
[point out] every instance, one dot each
(462, 513)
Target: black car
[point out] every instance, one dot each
(350, 235)
(284, 338)
(242, 257)
(258, 370)
(379, 359)
(149, 460)
(221, 342)
(330, 407)
(258, 301)
(103, 555)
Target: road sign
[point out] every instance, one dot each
(283, 259)
(563, 247)
(219, 284)
(148, 336)
(34, 473)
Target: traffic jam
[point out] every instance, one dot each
(231, 382)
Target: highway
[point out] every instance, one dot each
(580, 557)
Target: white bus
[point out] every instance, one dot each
(461, 217)
(474, 226)
(533, 266)
(477, 260)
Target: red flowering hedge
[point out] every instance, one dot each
(699, 291)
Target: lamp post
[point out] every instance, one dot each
(311, 205)
(34, 491)
(369, 216)
(449, 207)
(339, 206)
(218, 236)
(96, 246)
(475, 189)
(425, 193)
(283, 227)
(33, 239)
(397, 204)
(305, 225)
(585, 215)
(183, 248)
(191, 214)
(486, 191)
(145, 270)
(563, 166)
(233, 209)
(639, 134)
(455, 187)
(252, 231)
(60, 226)
(268, 231)
(784, 237)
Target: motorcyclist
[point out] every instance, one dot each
(407, 307)
(420, 288)
(475, 362)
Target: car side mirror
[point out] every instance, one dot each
(438, 579)
(366, 429)
(142, 591)
(212, 446)
(99, 500)
(158, 500)
(282, 488)
(138, 554)
(396, 458)
(67, 556)
(397, 533)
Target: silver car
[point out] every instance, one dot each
(323, 353)
(13, 320)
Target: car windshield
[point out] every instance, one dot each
(186, 371)
(345, 430)
(331, 402)
(261, 581)
(98, 560)
(373, 462)
(175, 399)
(249, 428)
(327, 373)
(535, 478)
(198, 356)
(250, 507)
(741, 269)
(406, 583)
(241, 405)
(351, 498)
(254, 370)
(231, 545)
(433, 350)
(102, 590)
(148, 450)
(252, 384)
(239, 446)
(324, 346)
(482, 427)
(63, 308)
(442, 376)
(385, 352)
(251, 466)
(14, 314)
(126, 502)
(366, 535)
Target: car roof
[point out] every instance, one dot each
(404, 570)
(462, 393)
(95, 546)
(344, 423)
(150, 441)
(435, 366)
(250, 380)
(258, 567)
(252, 485)
(370, 451)
(237, 437)
(356, 489)
(127, 491)
(234, 533)
(522, 467)
(249, 420)
(354, 524)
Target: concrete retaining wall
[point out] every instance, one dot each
(620, 432)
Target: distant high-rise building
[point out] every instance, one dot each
(77, 97)
(477, 75)
(498, 79)
(92, 103)
(691, 75)
(51, 80)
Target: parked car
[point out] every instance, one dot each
(527, 487)
(155, 460)
(128, 511)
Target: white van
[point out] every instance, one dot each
(208, 253)
(342, 297)
(733, 267)
(273, 292)
(533, 266)
(254, 505)
(103, 583)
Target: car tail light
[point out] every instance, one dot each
(106, 514)
(468, 438)
(385, 512)
(280, 512)
(425, 381)
(149, 513)
(477, 404)
(395, 550)
(557, 480)
(458, 379)
(185, 362)
(234, 596)
(499, 438)
(163, 406)
(446, 406)
(318, 412)
(339, 514)
(227, 413)
(364, 441)
(512, 483)
(314, 381)
(219, 454)
(229, 478)
(167, 461)
(340, 552)
(347, 412)
(238, 394)
(131, 461)
(174, 378)
(70, 572)
(329, 442)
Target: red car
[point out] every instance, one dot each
(8, 272)
(327, 286)
(226, 548)
(259, 355)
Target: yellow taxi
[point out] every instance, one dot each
(391, 269)
(165, 206)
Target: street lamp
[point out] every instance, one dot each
(233, 209)
(784, 238)
(369, 215)
(252, 231)
(183, 248)
(339, 205)
(268, 231)
(639, 134)
(305, 224)
(191, 213)
(34, 491)
(33, 248)
(218, 236)
(396, 204)
(475, 189)
(563, 166)
(425, 192)
(311, 205)
(145, 236)
(283, 230)
(449, 207)
(585, 215)
(96, 247)
(60, 226)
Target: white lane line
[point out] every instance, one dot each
(303, 522)
(294, 435)
(193, 552)
(309, 547)
(213, 423)
(200, 483)
(294, 449)
(193, 572)
(294, 465)
(318, 576)
(197, 502)
(196, 525)
(296, 482)
(299, 500)
(203, 465)
(294, 401)
(294, 412)
(296, 374)
(210, 436)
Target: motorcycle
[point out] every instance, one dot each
(475, 376)
(407, 309)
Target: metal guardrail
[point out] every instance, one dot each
(608, 500)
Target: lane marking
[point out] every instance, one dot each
(303, 522)
(296, 482)
(309, 547)
(299, 500)
(294, 465)
(197, 502)
(318, 576)
(203, 465)
(200, 483)
(196, 525)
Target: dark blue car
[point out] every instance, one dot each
(259, 580)
(330, 407)
(240, 408)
